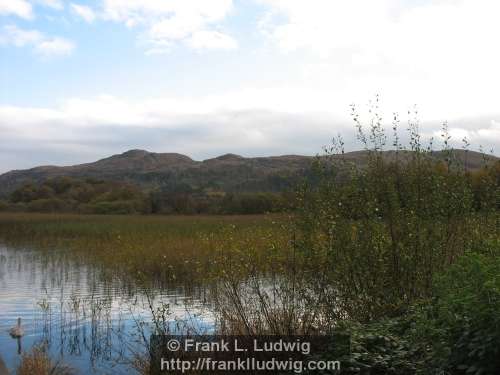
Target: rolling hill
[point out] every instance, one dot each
(177, 172)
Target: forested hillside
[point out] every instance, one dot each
(142, 182)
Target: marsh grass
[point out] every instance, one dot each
(139, 256)
(38, 362)
(151, 251)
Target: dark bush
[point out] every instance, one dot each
(65, 194)
(113, 208)
(50, 205)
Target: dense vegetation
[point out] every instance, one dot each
(95, 196)
(216, 202)
(403, 255)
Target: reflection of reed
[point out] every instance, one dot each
(89, 326)
(83, 322)
(85, 325)
(87, 313)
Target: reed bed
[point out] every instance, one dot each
(38, 362)
(150, 250)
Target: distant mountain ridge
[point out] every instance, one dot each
(173, 171)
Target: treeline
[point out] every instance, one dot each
(217, 203)
(94, 196)
(66, 194)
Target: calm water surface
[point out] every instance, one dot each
(90, 322)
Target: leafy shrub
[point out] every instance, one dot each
(456, 332)
(65, 194)
(113, 207)
(388, 228)
(366, 242)
(4, 206)
(381, 348)
(49, 205)
(252, 203)
(468, 307)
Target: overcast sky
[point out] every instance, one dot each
(85, 79)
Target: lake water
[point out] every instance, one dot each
(91, 323)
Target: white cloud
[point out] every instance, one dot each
(55, 46)
(439, 54)
(270, 121)
(323, 25)
(324, 56)
(201, 128)
(489, 134)
(84, 12)
(144, 11)
(166, 23)
(20, 8)
(54, 4)
(18, 37)
(282, 119)
(24, 8)
(211, 40)
(43, 45)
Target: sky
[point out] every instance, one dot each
(81, 80)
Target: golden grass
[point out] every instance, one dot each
(37, 362)
(152, 249)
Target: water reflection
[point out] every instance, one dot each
(94, 323)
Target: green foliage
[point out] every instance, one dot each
(483, 183)
(252, 203)
(4, 206)
(455, 332)
(116, 207)
(90, 196)
(388, 228)
(382, 347)
(402, 253)
(216, 202)
(65, 194)
(468, 307)
(50, 205)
